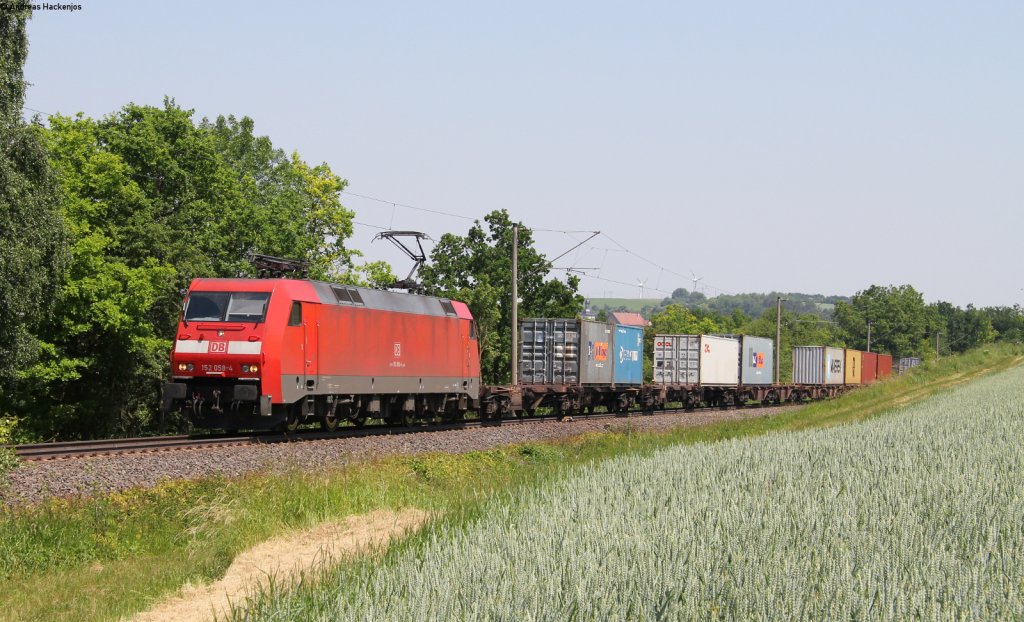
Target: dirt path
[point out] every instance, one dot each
(284, 559)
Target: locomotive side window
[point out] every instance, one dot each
(295, 319)
(347, 295)
(342, 295)
(472, 329)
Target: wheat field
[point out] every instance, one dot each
(916, 514)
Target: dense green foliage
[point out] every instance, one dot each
(902, 324)
(900, 320)
(152, 200)
(477, 269)
(32, 245)
(754, 305)
(749, 305)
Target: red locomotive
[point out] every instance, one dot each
(266, 353)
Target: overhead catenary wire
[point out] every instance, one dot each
(366, 224)
(621, 247)
(657, 265)
(607, 280)
(49, 114)
(412, 207)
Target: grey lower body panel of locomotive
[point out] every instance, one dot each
(295, 388)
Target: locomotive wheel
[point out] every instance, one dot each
(329, 422)
(291, 422)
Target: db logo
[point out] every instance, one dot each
(398, 349)
(219, 347)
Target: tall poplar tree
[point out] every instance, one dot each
(32, 248)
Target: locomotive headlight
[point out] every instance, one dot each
(250, 369)
(245, 369)
(254, 368)
(190, 367)
(181, 367)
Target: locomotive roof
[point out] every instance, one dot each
(342, 295)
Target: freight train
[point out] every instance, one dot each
(276, 353)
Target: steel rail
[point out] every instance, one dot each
(108, 447)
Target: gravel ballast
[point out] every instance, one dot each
(32, 482)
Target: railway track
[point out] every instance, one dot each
(81, 449)
(108, 447)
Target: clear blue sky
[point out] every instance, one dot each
(797, 146)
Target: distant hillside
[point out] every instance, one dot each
(752, 305)
(623, 304)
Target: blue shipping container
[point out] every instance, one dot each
(629, 355)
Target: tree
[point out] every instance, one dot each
(963, 329)
(477, 268)
(152, 201)
(291, 208)
(901, 323)
(32, 240)
(1007, 322)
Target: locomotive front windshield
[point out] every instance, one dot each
(226, 307)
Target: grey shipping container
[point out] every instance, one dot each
(818, 365)
(757, 360)
(558, 351)
(906, 362)
(677, 359)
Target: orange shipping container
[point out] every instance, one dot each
(853, 365)
(884, 366)
(868, 368)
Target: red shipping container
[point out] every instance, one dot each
(868, 367)
(884, 366)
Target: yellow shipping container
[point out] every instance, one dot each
(854, 359)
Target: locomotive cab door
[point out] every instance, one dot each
(311, 344)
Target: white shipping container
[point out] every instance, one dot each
(835, 365)
(720, 361)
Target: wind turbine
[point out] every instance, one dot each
(641, 284)
(695, 279)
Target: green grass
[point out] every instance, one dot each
(104, 558)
